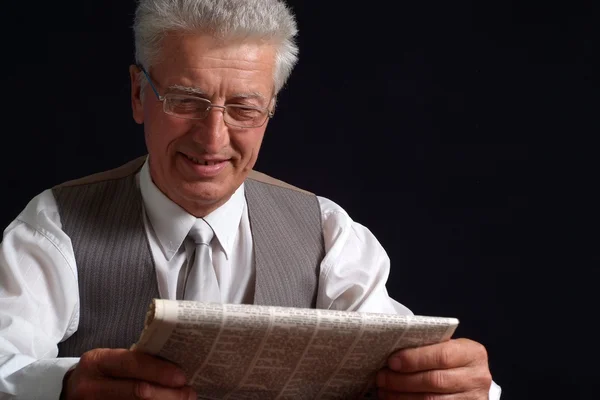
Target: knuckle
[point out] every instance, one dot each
(409, 358)
(446, 355)
(486, 379)
(475, 348)
(434, 379)
(482, 351)
(142, 390)
(90, 359)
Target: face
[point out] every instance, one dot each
(180, 149)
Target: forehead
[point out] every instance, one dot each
(214, 66)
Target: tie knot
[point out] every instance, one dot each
(201, 232)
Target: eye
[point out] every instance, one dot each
(182, 101)
(244, 113)
(186, 104)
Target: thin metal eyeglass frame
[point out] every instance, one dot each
(210, 105)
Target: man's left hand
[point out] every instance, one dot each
(453, 370)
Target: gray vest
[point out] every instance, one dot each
(103, 216)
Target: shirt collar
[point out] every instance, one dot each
(171, 223)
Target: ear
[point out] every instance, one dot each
(136, 99)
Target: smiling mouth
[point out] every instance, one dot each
(202, 162)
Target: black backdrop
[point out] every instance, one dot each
(422, 121)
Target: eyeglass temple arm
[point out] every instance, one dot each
(158, 96)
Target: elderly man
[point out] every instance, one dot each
(192, 220)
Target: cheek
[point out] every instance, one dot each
(249, 145)
(155, 141)
(160, 131)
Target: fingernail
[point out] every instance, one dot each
(145, 390)
(179, 379)
(395, 363)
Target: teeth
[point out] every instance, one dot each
(193, 159)
(200, 162)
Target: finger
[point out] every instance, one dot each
(386, 395)
(122, 363)
(450, 354)
(433, 381)
(148, 391)
(127, 389)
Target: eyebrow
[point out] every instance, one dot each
(187, 90)
(199, 92)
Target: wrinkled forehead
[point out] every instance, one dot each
(201, 57)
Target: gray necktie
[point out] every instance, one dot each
(202, 284)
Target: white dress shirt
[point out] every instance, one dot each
(39, 294)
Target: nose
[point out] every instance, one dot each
(211, 132)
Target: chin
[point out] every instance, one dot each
(205, 193)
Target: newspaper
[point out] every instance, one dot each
(236, 351)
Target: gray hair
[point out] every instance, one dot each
(225, 19)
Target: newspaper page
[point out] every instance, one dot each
(247, 352)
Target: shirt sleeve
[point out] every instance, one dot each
(39, 302)
(356, 268)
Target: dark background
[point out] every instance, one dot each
(455, 132)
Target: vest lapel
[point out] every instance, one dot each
(288, 244)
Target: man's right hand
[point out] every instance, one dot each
(124, 374)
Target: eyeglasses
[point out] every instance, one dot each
(192, 107)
